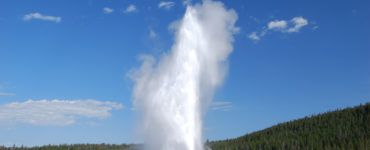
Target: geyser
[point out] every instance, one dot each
(171, 95)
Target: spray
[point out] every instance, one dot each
(172, 94)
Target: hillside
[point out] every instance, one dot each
(341, 129)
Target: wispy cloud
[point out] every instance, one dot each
(224, 106)
(152, 33)
(54, 112)
(174, 25)
(166, 5)
(7, 94)
(41, 17)
(186, 2)
(108, 10)
(255, 19)
(283, 26)
(131, 8)
(315, 27)
(254, 36)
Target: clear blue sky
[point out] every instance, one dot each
(58, 52)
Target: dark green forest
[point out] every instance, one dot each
(346, 129)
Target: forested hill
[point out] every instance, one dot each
(345, 129)
(340, 130)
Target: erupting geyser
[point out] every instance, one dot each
(172, 94)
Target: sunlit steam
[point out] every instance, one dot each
(171, 95)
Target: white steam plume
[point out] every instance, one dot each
(171, 95)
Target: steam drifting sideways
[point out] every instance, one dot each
(171, 95)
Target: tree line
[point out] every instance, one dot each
(346, 129)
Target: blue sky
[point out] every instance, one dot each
(291, 59)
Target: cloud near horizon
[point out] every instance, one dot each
(54, 112)
(39, 16)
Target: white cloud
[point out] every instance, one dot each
(294, 25)
(166, 5)
(54, 112)
(298, 22)
(225, 106)
(41, 17)
(130, 8)
(254, 36)
(277, 25)
(282, 25)
(108, 10)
